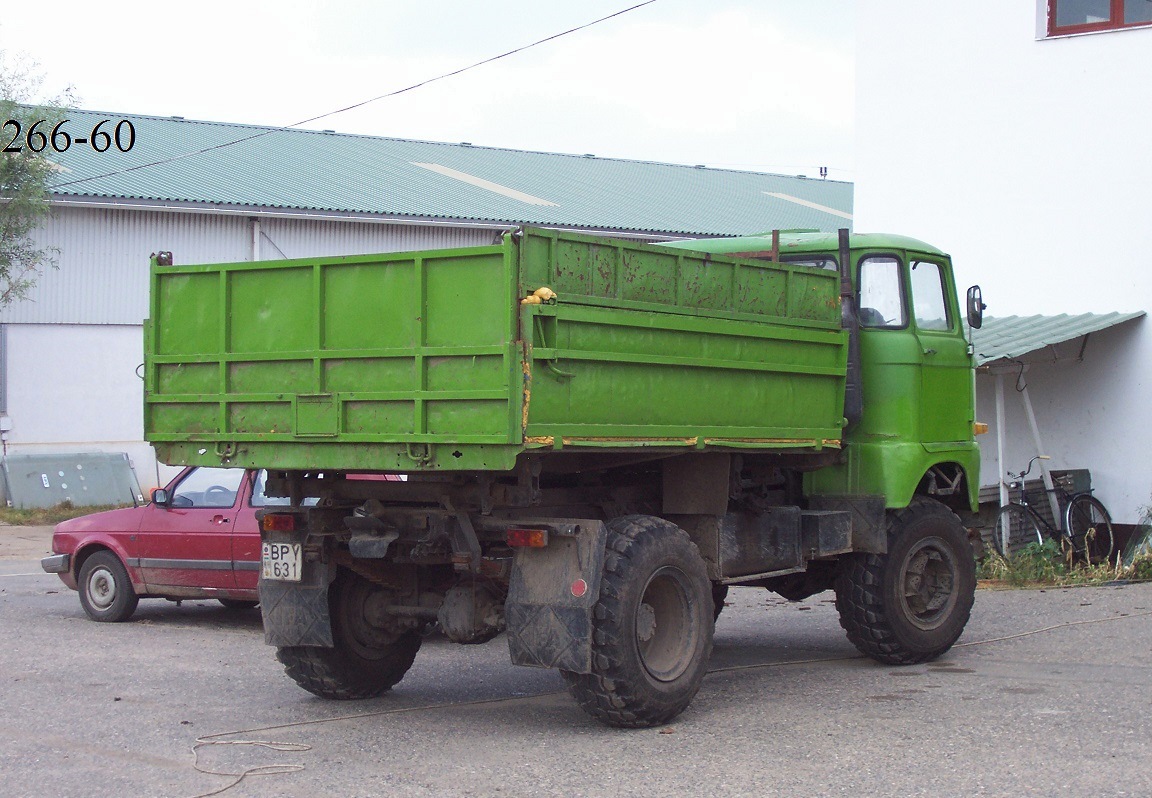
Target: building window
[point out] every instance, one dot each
(1085, 16)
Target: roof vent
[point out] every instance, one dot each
(465, 144)
(327, 131)
(589, 155)
(700, 166)
(179, 117)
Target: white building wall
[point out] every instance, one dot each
(74, 346)
(1026, 159)
(1087, 410)
(103, 253)
(73, 388)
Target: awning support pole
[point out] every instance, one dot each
(1045, 474)
(1000, 439)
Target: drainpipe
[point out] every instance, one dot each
(255, 238)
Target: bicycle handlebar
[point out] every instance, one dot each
(1028, 470)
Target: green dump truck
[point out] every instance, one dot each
(597, 438)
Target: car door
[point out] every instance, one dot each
(186, 540)
(246, 537)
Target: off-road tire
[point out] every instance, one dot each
(365, 662)
(652, 626)
(106, 592)
(911, 604)
(719, 594)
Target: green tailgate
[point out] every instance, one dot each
(427, 360)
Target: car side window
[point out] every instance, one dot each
(213, 488)
(881, 297)
(261, 499)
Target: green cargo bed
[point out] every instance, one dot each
(429, 360)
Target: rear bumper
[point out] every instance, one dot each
(57, 563)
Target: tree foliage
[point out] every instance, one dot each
(25, 177)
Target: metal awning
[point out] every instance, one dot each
(1010, 337)
(999, 346)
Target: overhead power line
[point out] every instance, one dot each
(414, 86)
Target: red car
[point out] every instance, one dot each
(197, 539)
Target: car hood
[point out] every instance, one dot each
(123, 519)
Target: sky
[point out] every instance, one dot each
(757, 86)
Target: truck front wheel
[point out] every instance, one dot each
(652, 626)
(911, 604)
(367, 658)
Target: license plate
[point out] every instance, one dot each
(281, 561)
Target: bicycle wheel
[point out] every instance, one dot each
(1089, 527)
(1015, 528)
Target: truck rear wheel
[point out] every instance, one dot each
(652, 626)
(911, 604)
(366, 660)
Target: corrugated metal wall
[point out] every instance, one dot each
(302, 238)
(103, 254)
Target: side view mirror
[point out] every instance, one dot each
(160, 497)
(976, 307)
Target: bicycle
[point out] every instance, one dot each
(1085, 535)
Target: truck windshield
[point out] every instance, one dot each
(881, 297)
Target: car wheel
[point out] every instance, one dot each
(105, 590)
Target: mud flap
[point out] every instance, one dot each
(296, 613)
(551, 597)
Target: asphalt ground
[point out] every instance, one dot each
(1049, 693)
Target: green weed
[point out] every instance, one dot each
(1046, 564)
(49, 516)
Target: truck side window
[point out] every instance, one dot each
(928, 305)
(828, 264)
(881, 299)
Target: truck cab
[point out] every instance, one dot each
(915, 430)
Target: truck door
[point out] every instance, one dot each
(946, 410)
(889, 350)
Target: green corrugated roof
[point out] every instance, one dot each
(333, 172)
(1010, 337)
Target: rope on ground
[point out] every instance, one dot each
(260, 770)
(1066, 624)
(267, 770)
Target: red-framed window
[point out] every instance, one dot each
(1084, 16)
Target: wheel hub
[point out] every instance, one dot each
(370, 629)
(645, 623)
(928, 577)
(101, 588)
(666, 630)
